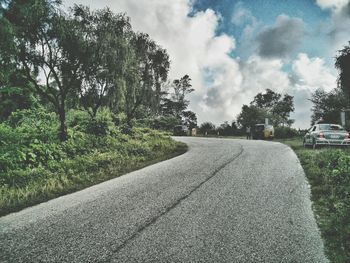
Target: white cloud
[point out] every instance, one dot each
(222, 83)
(308, 74)
(251, 27)
(338, 27)
(260, 74)
(241, 15)
(335, 5)
(302, 114)
(312, 73)
(194, 49)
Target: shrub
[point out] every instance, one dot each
(329, 173)
(35, 124)
(29, 139)
(78, 120)
(119, 119)
(285, 133)
(14, 98)
(207, 128)
(102, 124)
(166, 123)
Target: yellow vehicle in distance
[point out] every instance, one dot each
(263, 132)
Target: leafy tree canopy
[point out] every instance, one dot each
(272, 105)
(84, 59)
(327, 106)
(342, 63)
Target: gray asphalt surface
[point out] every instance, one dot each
(223, 201)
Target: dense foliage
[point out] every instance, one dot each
(274, 106)
(224, 129)
(329, 174)
(79, 92)
(35, 165)
(284, 132)
(85, 59)
(342, 63)
(207, 128)
(328, 170)
(328, 105)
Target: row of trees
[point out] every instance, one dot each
(224, 129)
(269, 104)
(84, 59)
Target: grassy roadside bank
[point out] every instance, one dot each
(328, 172)
(35, 166)
(77, 174)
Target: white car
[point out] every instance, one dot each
(326, 134)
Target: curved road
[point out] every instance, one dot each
(222, 201)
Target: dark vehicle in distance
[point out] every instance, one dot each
(181, 130)
(326, 134)
(263, 132)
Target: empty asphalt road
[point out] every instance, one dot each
(222, 201)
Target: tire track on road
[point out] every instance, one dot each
(153, 220)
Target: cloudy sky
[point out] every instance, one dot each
(234, 49)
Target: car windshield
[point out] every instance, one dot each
(331, 127)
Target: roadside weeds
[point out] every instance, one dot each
(328, 172)
(77, 174)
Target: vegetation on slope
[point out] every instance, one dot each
(328, 172)
(36, 166)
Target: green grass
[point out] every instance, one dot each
(328, 172)
(27, 187)
(36, 166)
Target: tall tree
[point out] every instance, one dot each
(106, 36)
(342, 63)
(13, 92)
(146, 73)
(49, 51)
(160, 62)
(189, 118)
(277, 107)
(281, 111)
(274, 106)
(251, 115)
(266, 100)
(327, 105)
(177, 103)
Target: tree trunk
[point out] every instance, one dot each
(63, 125)
(129, 117)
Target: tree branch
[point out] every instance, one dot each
(37, 86)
